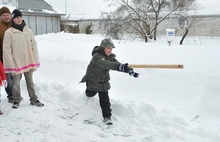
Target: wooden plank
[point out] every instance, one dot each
(175, 66)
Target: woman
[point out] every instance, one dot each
(20, 56)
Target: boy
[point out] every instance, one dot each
(97, 75)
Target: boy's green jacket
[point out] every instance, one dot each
(97, 74)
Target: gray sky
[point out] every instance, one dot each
(93, 7)
(88, 7)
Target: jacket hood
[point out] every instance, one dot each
(97, 49)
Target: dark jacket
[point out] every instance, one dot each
(97, 74)
(3, 27)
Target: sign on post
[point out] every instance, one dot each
(170, 35)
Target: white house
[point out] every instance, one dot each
(38, 15)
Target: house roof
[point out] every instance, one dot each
(33, 7)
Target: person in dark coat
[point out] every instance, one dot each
(97, 75)
(5, 23)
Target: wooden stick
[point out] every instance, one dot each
(156, 66)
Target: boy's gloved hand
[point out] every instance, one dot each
(124, 68)
(5, 83)
(134, 74)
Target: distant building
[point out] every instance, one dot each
(204, 25)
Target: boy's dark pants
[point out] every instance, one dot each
(103, 100)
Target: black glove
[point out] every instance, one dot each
(134, 74)
(124, 68)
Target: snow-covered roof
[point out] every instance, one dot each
(32, 7)
(76, 17)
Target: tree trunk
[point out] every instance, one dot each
(181, 41)
(148, 32)
(146, 39)
(155, 30)
(155, 33)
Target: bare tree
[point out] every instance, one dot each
(187, 27)
(186, 19)
(128, 17)
(112, 25)
(157, 7)
(135, 16)
(160, 8)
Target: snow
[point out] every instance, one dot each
(159, 106)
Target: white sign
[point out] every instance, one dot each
(170, 34)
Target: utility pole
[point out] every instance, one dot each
(170, 31)
(66, 7)
(171, 8)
